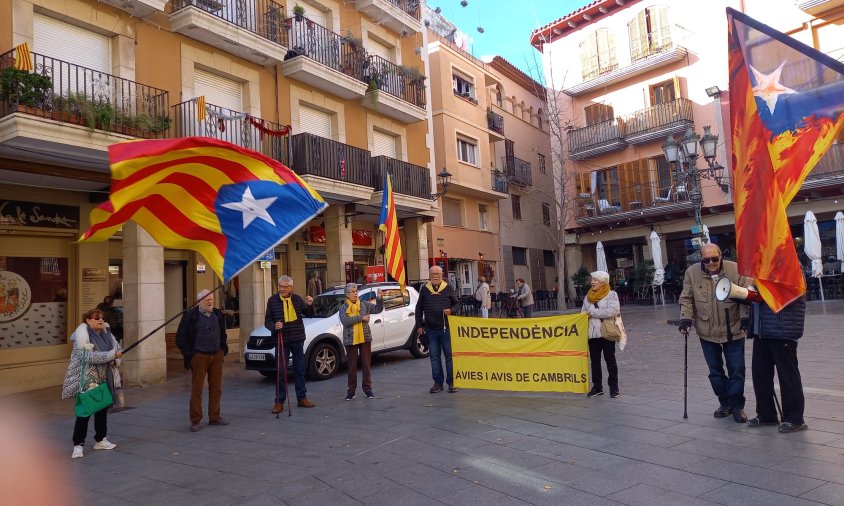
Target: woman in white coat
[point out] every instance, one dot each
(601, 303)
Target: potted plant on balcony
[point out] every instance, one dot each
(412, 74)
(354, 43)
(25, 90)
(298, 12)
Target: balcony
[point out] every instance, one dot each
(817, 7)
(392, 93)
(336, 170)
(325, 60)
(657, 122)
(517, 171)
(499, 182)
(640, 203)
(62, 111)
(265, 137)
(400, 16)
(495, 125)
(408, 179)
(827, 177)
(253, 30)
(138, 8)
(595, 140)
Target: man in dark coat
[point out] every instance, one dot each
(202, 339)
(436, 301)
(284, 314)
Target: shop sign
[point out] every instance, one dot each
(35, 214)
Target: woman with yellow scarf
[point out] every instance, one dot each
(601, 303)
(357, 338)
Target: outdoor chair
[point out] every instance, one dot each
(663, 198)
(605, 207)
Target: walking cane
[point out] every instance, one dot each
(279, 353)
(686, 375)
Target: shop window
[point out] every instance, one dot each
(33, 301)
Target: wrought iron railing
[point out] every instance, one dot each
(71, 93)
(409, 6)
(599, 71)
(408, 179)
(499, 182)
(831, 164)
(655, 42)
(595, 135)
(633, 197)
(264, 18)
(326, 47)
(658, 117)
(494, 121)
(307, 153)
(517, 171)
(388, 77)
(256, 134)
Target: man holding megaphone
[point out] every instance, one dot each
(720, 325)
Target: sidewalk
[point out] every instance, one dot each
(473, 447)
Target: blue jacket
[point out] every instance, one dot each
(787, 324)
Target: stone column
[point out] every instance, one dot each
(338, 247)
(574, 259)
(143, 307)
(416, 254)
(296, 266)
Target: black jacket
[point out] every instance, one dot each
(430, 307)
(186, 334)
(293, 331)
(787, 324)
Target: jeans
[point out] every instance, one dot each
(439, 341)
(484, 312)
(527, 311)
(728, 387)
(778, 355)
(297, 351)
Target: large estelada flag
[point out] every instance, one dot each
(392, 241)
(228, 203)
(786, 105)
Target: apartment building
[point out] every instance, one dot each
(645, 71)
(348, 78)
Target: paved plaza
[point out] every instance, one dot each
(409, 447)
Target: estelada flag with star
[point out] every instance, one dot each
(228, 203)
(786, 109)
(388, 222)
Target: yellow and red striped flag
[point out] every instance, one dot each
(392, 241)
(23, 59)
(786, 109)
(228, 203)
(201, 112)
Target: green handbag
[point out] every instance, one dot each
(92, 400)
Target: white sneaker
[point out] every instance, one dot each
(104, 445)
(77, 452)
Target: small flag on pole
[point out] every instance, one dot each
(200, 109)
(392, 241)
(23, 59)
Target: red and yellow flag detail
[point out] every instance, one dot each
(388, 222)
(23, 58)
(786, 109)
(225, 202)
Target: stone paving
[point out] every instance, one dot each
(409, 447)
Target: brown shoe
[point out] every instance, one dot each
(195, 427)
(219, 421)
(722, 412)
(278, 408)
(436, 388)
(739, 416)
(306, 403)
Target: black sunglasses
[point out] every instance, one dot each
(710, 260)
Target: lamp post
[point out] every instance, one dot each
(443, 180)
(682, 156)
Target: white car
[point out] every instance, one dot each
(392, 329)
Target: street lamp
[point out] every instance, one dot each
(683, 157)
(443, 180)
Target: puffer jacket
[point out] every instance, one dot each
(366, 308)
(608, 307)
(96, 363)
(430, 307)
(698, 303)
(291, 332)
(787, 324)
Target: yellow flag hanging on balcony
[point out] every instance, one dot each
(200, 108)
(23, 60)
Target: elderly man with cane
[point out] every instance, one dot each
(720, 326)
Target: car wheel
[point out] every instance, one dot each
(323, 362)
(417, 348)
(268, 374)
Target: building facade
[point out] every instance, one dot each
(348, 78)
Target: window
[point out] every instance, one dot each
(608, 189)
(467, 151)
(539, 118)
(497, 95)
(515, 200)
(597, 54)
(384, 144)
(546, 214)
(663, 93)
(548, 258)
(519, 256)
(452, 215)
(482, 217)
(598, 113)
(542, 163)
(394, 299)
(649, 33)
(463, 86)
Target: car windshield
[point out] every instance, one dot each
(327, 304)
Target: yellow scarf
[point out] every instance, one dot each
(289, 310)
(595, 295)
(443, 284)
(353, 309)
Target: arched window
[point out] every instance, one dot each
(649, 32)
(597, 54)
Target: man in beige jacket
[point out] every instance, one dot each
(720, 327)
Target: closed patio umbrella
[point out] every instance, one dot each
(812, 247)
(602, 257)
(706, 234)
(659, 272)
(839, 236)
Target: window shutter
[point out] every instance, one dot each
(660, 35)
(585, 60)
(639, 36)
(452, 215)
(57, 39)
(603, 49)
(315, 122)
(317, 16)
(217, 90)
(384, 144)
(378, 49)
